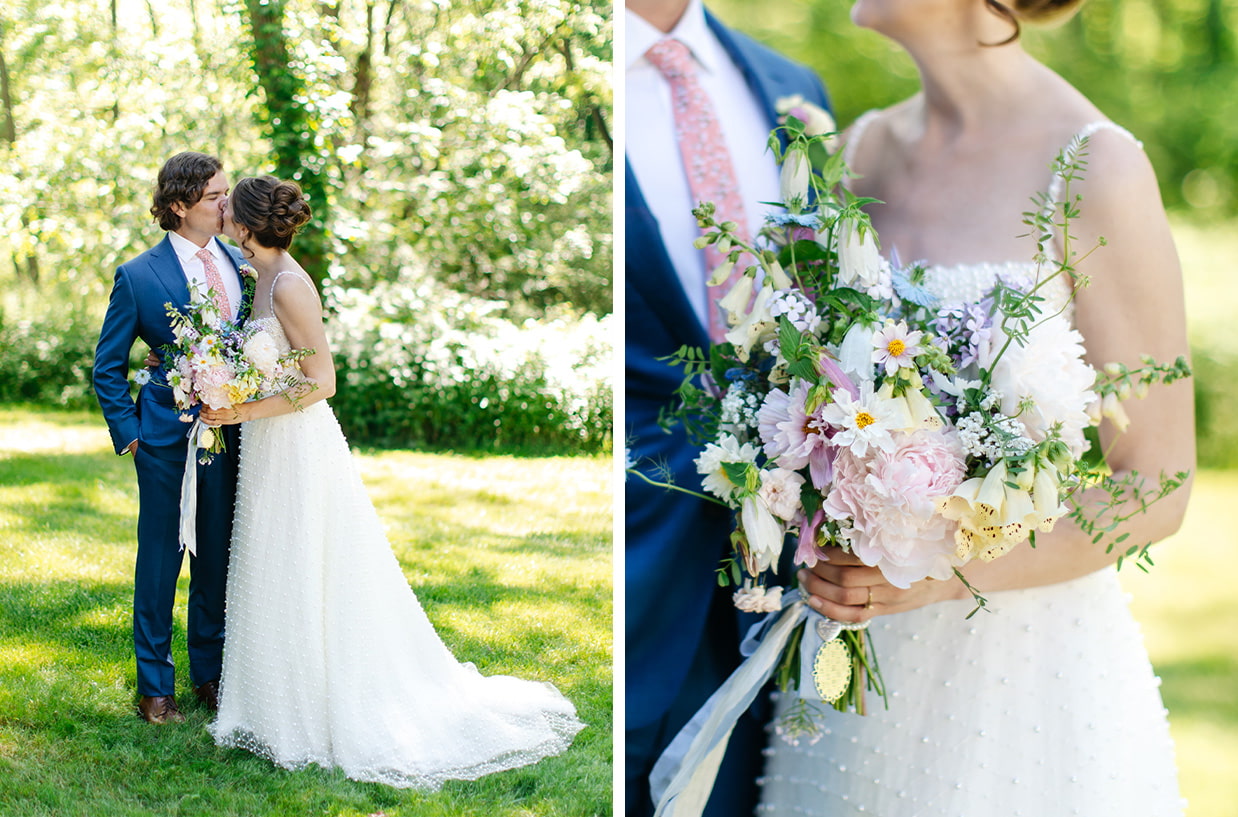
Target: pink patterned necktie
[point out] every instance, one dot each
(706, 161)
(216, 283)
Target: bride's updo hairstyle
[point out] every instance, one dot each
(1032, 11)
(272, 210)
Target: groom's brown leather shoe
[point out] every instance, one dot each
(159, 709)
(208, 694)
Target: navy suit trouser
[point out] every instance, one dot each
(735, 790)
(158, 565)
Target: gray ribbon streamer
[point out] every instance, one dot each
(684, 775)
(189, 489)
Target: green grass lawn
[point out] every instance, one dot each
(1189, 613)
(511, 558)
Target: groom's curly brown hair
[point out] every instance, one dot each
(181, 179)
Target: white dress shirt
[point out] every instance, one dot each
(652, 147)
(195, 273)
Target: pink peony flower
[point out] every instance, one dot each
(890, 500)
(212, 385)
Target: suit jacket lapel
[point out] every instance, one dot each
(649, 268)
(167, 269)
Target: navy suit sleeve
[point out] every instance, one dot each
(111, 369)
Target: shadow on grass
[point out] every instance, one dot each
(62, 468)
(73, 482)
(52, 613)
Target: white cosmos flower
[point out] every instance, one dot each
(709, 465)
(864, 421)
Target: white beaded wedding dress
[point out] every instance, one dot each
(1045, 707)
(329, 658)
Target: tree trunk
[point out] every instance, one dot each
(8, 126)
(290, 128)
(363, 77)
(1217, 34)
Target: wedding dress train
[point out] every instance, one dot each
(329, 658)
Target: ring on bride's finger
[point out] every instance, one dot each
(868, 605)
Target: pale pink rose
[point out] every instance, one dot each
(780, 489)
(758, 599)
(890, 500)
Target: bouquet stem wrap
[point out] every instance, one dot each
(200, 436)
(684, 775)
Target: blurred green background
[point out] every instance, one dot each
(1166, 70)
(457, 157)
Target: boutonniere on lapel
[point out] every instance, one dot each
(816, 120)
(817, 125)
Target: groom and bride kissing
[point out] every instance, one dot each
(1005, 713)
(322, 653)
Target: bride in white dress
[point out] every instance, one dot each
(329, 658)
(1047, 706)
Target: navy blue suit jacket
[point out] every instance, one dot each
(136, 310)
(674, 542)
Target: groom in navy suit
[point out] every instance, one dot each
(682, 630)
(188, 203)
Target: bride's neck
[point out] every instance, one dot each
(969, 89)
(267, 260)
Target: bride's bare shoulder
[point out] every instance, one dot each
(870, 139)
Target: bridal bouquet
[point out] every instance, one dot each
(217, 363)
(849, 407)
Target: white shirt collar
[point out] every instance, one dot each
(186, 249)
(692, 30)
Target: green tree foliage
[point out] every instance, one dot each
(457, 158)
(469, 140)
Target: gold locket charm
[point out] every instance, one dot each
(831, 670)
